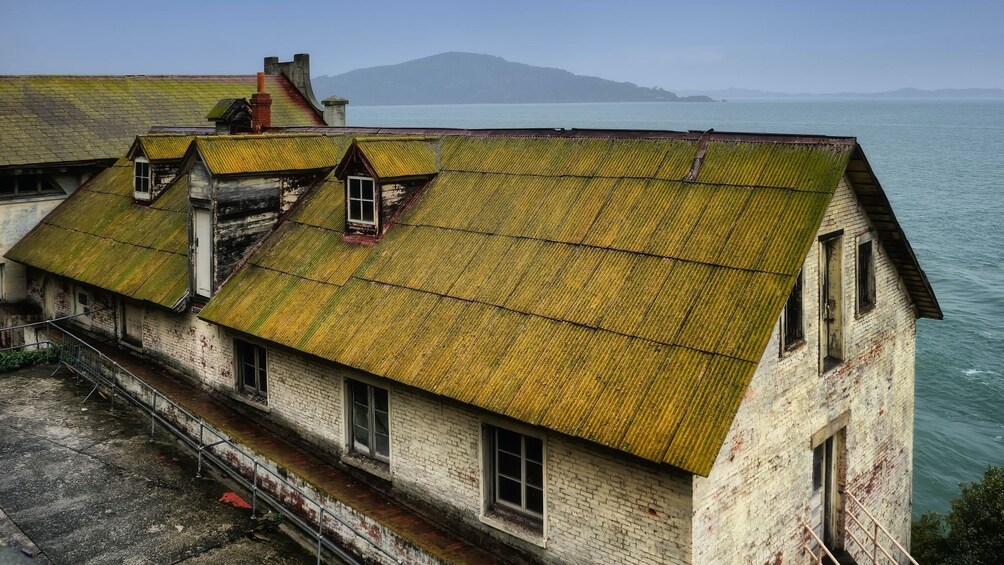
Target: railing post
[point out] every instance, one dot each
(254, 491)
(198, 473)
(875, 542)
(320, 531)
(153, 415)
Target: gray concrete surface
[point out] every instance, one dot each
(83, 483)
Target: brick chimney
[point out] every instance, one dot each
(261, 107)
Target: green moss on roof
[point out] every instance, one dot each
(582, 285)
(48, 119)
(395, 158)
(247, 154)
(99, 236)
(164, 147)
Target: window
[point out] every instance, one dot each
(792, 330)
(866, 275)
(27, 185)
(362, 200)
(832, 306)
(142, 176)
(370, 423)
(252, 369)
(516, 472)
(83, 301)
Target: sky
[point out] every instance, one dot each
(803, 46)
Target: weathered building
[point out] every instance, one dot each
(582, 346)
(58, 131)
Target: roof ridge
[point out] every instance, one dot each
(71, 76)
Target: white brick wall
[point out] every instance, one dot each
(749, 509)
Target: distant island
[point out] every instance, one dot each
(902, 93)
(470, 78)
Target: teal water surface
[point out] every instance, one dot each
(942, 166)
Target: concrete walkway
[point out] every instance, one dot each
(82, 483)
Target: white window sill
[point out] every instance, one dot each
(512, 527)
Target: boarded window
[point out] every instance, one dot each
(370, 420)
(792, 328)
(866, 276)
(515, 473)
(361, 200)
(252, 369)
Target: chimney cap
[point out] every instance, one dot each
(335, 101)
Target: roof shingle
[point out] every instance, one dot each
(57, 119)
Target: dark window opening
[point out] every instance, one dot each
(27, 185)
(252, 369)
(792, 328)
(817, 467)
(516, 472)
(370, 421)
(866, 277)
(361, 200)
(142, 177)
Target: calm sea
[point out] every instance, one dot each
(942, 165)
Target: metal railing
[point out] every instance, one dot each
(264, 484)
(823, 551)
(871, 546)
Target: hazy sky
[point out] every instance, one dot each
(804, 46)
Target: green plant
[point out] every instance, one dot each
(972, 532)
(19, 358)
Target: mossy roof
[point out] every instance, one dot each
(161, 147)
(100, 236)
(583, 285)
(56, 119)
(391, 158)
(267, 153)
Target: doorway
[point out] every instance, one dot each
(826, 509)
(132, 324)
(202, 239)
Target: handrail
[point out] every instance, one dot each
(817, 558)
(873, 537)
(155, 408)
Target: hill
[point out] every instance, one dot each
(468, 78)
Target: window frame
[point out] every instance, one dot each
(349, 199)
(42, 186)
(496, 505)
(260, 364)
(145, 194)
(370, 450)
(864, 302)
(791, 343)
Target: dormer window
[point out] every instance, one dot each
(361, 200)
(142, 180)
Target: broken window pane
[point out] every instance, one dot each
(792, 330)
(252, 368)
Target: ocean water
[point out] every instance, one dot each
(941, 164)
